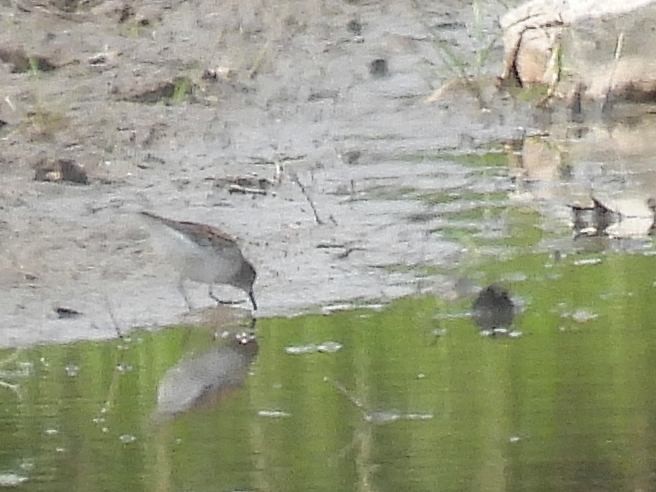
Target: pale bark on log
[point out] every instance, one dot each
(601, 46)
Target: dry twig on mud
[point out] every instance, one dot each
(345, 254)
(112, 316)
(619, 45)
(235, 188)
(277, 177)
(252, 72)
(295, 179)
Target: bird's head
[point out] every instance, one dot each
(244, 280)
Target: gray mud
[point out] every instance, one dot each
(163, 103)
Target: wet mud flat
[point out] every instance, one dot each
(306, 129)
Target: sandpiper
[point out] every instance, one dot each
(594, 220)
(205, 254)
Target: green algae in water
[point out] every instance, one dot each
(470, 159)
(556, 408)
(450, 196)
(484, 159)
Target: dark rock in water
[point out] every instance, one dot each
(493, 309)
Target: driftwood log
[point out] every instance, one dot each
(593, 48)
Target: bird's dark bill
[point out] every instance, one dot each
(252, 297)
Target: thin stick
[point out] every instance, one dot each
(258, 61)
(296, 180)
(113, 317)
(235, 188)
(618, 53)
(277, 178)
(354, 400)
(554, 64)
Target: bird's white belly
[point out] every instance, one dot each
(198, 263)
(208, 268)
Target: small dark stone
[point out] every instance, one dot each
(154, 159)
(66, 313)
(66, 5)
(22, 62)
(354, 27)
(323, 94)
(73, 172)
(378, 68)
(153, 95)
(493, 309)
(60, 170)
(125, 13)
(209, 74)
(180, 88)
(352, 156)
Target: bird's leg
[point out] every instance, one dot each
(182, 291)
(209, 291)
(219, 301)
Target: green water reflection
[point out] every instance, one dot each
(570, 405)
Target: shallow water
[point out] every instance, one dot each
(410, 397)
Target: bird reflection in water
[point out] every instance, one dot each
(204, 379)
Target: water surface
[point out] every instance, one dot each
(410, 397)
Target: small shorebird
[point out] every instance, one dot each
(594, 220)
(204, 254)
(493, 309)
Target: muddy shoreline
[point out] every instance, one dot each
(166, 105)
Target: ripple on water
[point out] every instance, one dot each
(328, 347)
(11, 479)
